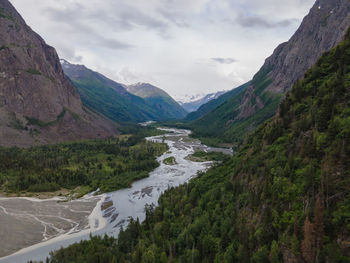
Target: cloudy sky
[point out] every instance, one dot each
(181, 46)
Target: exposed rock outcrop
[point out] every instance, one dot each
(322, 29)
(38, 104)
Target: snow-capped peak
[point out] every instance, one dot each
(189, 98)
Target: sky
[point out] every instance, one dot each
(185, 47)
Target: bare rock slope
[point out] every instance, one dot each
(322, 29)
(38, 104)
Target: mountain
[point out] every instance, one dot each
(214, 103)
(194, 105)
(320, 30)
(110, 98)
(106, 96)
(37, 102)
(158, 99)
(284, 197)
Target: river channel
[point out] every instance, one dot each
(109, 211)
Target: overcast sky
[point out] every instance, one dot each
(181, 46)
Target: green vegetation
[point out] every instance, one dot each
(145, 90)
(158, 99)
(201, 156)
(16, 123)
(225, 123)
(106, 164)
(112, 100)
(33, 71)
(324, 21)
(140, 131)
(210, 141)
(211, 105)
(3, 47)
(284, 197)
(36, 122)
(170, 161)
(4, 14)
(104, 99)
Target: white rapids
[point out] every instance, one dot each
(128, 202)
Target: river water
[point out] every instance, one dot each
(119, 206)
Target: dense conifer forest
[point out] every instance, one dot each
(284, 197)
(108, 164)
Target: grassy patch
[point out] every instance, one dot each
(4, 14)
(201, 156)
(106, 205)
(16, 123)
(211, 141)
(81, 191)
(33, 71)
(170, 161)
(36, 122)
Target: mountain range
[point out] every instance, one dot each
(119, 102)
(194, 104)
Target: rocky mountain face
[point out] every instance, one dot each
(158, 99)
(38, 104)
(194, 105)
(321, 29)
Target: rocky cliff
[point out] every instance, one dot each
(38, 104)
(323, 28)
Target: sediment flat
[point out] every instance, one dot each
(28, 221)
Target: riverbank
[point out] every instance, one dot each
(119, 206)
(67, 194)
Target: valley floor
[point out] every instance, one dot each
(27, 221)
(69, 222)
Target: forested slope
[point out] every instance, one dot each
(284, 197)
(223, 119)
(108, 97)
(159, 100)
(211, 105)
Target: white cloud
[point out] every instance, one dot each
(172, 43)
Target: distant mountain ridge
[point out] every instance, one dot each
(212, 104)
(158, 99)
(195, 104)
(113, 100)
(323, 28)
(38, 104)
(146, 90)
